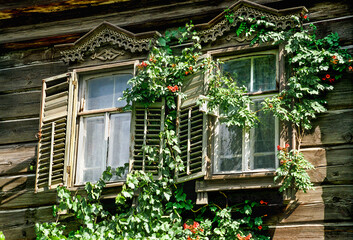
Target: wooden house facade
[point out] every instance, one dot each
(49, 50)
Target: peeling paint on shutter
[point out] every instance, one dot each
(147, 124)
(54, 131)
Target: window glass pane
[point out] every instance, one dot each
(262, 162)
(264, 139)
(104, 92)
(94, 149)
(264, 73)
(100, 93)
(119, 140)
(120, 86)
(230, 148)
(239, 70)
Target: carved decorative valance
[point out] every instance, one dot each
(122, 41)
(107, 33)
(281, 19)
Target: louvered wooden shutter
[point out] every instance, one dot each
(54, 131)
(147, 124)
(192, 130)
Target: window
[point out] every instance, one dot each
(238, 150)
(104, 130)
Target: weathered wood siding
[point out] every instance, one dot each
(27, 56)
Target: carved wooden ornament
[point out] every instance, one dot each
(110, 34)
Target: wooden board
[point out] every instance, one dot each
(17, 183)
(15, 105)
(322, 132)
(22, 199)
(29, 76)
(332, 165)
(18, 131)
(342, 95)
(323, 203)
(25, 216)
(329, 156)
(317, 231)
(316, 212)
(17, 158)
(29, 56)
(135, 19)
(20, 232)
(332, 174)
(327, 194)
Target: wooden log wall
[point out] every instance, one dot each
(27, 56)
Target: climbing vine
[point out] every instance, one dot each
(149, 208)
(316, 64)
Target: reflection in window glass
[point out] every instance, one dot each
(264, 73)
(239, 70)
(104, 92)
(100, 93)
(264, 139)
(230, 148)
(256, 73)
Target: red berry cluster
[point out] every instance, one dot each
(173, 89)
(142, 65)
(153, 60)
(279, 148)
(188, 72)
(193, 228)
(244, 238)
(329, 78)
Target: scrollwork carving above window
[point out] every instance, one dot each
(217, 27)
(107, 34)
(108, 42)
(107, 54)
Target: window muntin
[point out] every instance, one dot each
(238, 150)
(105, 132)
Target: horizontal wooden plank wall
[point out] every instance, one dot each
(27, 56)
(21, 75)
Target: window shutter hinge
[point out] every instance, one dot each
(38, 135)
(68, 169)
(74, 83)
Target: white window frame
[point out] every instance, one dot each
(247, 135)
(85, 75)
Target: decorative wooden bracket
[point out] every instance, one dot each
(202, 198)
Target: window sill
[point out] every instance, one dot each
(108, 185)
(239, 181)
(223, 176)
